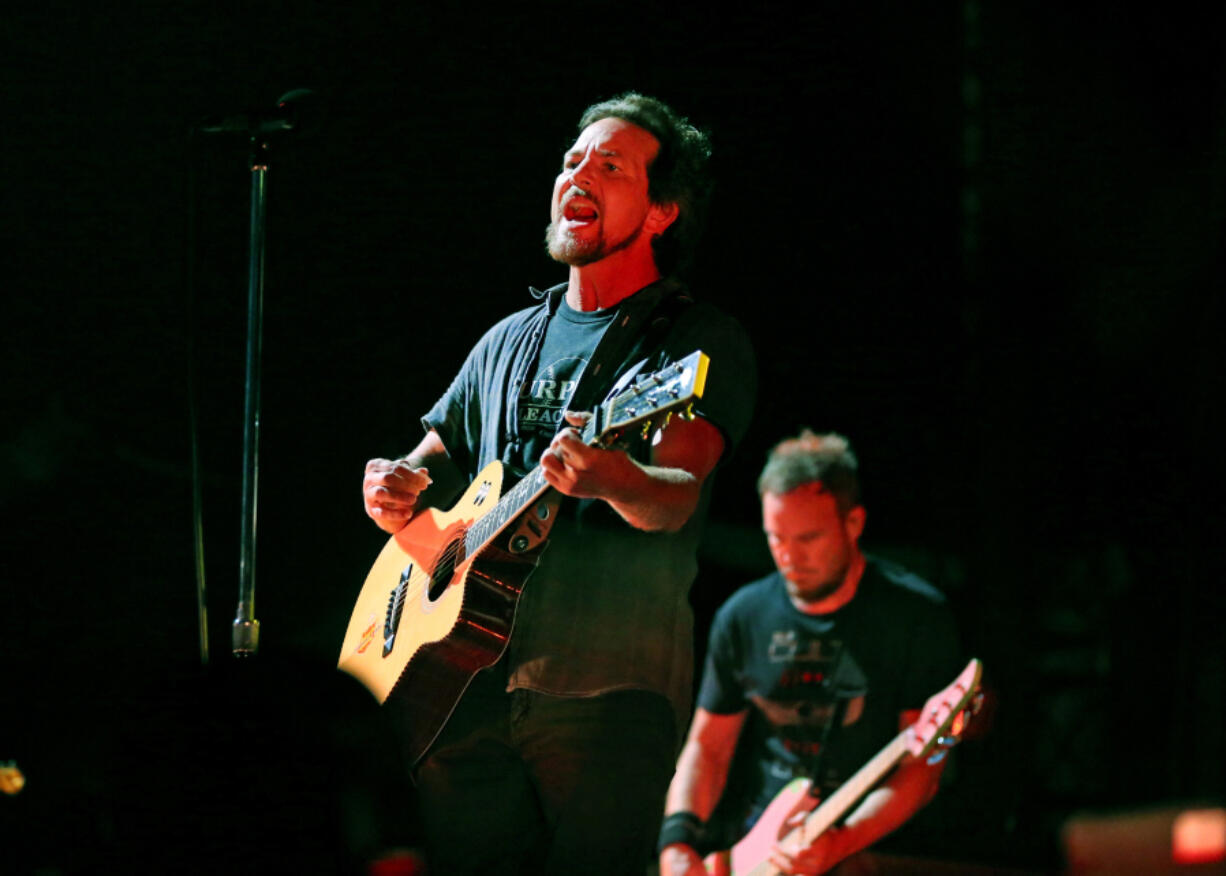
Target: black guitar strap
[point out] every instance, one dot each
(634, 335)
(640, 327)
(813, 769)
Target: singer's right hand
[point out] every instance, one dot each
(390, 492)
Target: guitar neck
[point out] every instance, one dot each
(643, 403)
(837, 804)
(866, 778)
(523, 494)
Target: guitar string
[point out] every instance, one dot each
(419, 579)
(415, 583)
(530, 484)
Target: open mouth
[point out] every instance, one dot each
(578, 210)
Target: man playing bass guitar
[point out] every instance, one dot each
(810, 671)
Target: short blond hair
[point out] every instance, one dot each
(812, 458)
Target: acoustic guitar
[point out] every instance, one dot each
(439, 602)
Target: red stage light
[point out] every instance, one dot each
(1198, 836)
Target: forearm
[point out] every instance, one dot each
(888, 807)
(654, 498)
(698, 782)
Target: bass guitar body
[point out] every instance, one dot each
(795, 814)
(748, 855)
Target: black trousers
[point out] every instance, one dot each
(535, 784)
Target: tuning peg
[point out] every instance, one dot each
(687, 413)
(938, 754)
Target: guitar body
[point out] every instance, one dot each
(439, 602)
(428, 618)
(942, 718)
(755, 847)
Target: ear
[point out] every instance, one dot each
(854, 522)
(659, 217)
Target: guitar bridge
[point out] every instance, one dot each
(395, 608)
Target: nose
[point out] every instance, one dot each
(581, 173)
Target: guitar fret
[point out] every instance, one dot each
(681, 381)
(506, 510)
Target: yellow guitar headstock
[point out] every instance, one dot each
(651, 400)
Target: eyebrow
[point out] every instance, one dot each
(603, 153)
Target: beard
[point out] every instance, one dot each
(577, 253)
(816, 591)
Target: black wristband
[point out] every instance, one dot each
(681, 827)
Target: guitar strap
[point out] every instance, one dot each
(813, 770)
(636, 332)
(641, 325)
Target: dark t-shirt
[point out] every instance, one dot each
(570, 340)
(824, 692)
(607, 608)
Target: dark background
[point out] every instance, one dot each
(985, 241)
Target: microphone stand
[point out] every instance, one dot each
(288, 116)
(245, 634)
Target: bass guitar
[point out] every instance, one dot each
(941, 723)
(439, 603)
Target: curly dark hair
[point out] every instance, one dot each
(827, 459)
(678, 175)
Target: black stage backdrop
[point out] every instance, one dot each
(985, 241)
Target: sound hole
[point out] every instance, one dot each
(444, 569)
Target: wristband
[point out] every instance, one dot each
(681, 827)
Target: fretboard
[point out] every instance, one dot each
(866, 778)
(508, 508)
(836, 805)
(520, 497)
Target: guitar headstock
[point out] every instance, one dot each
(651, 400)
(944, 717)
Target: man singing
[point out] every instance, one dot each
(557, 758)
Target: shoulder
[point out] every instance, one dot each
(732, 378)
(739, 620)
(749, 600)
(702, 319)
(902, 590)
(507, 331)
(512, 323)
